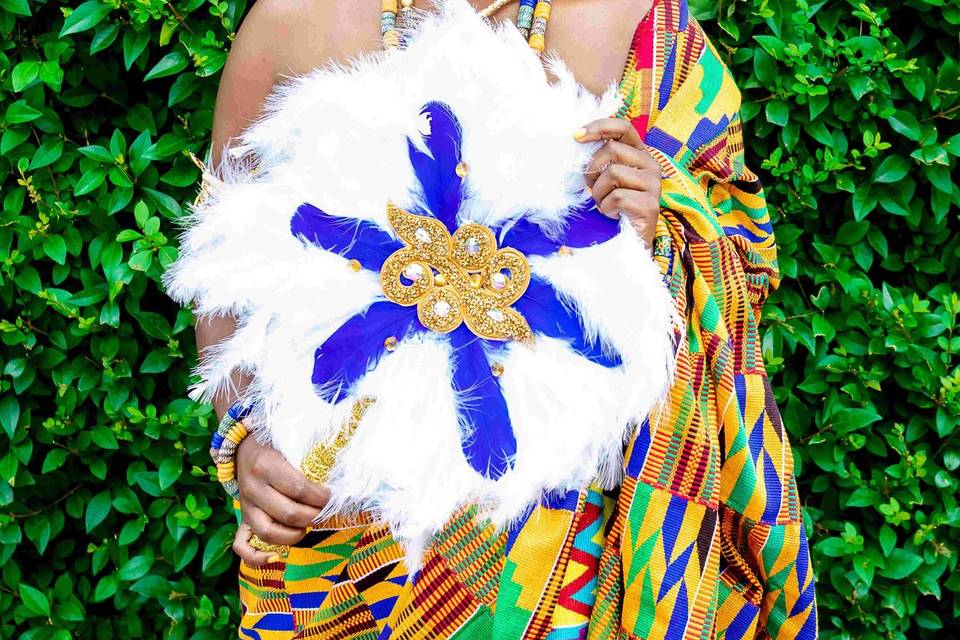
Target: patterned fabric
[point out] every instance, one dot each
(704, 539)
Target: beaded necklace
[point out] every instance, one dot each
(532, 18)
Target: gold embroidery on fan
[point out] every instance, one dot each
(456, 279)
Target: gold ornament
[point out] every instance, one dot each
(462, 289)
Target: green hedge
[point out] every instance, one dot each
(110, 522)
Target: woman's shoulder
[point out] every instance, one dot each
(300, 35)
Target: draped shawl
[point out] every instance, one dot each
(704, 538)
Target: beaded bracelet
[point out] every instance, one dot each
(223, 448)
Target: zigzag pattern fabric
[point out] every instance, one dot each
(705, 538)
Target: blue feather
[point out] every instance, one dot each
(585, 227)
(357, 345)
(549, 316)
(491, 446)
(441, 189)
(354, 239)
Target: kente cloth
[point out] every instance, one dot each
(704, 538)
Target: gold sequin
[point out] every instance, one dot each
(463, 169)
(354, 265)
(496, 369)
(460, 290)
(565, 251)
(390, 344)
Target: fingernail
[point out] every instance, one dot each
(580, 133)
(273, 558)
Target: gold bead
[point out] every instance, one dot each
(463, 169)
(536, 42)
(476, 280)
(390, 344)
(354, 266)
(496, 369)
(391, 39)
(564, 251)
(440, 280)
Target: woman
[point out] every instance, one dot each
(705, 535)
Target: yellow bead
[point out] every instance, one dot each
(440, 280)
(496, 369)
(391, 39)
(476, 280)
(463, 169)
(564, 251)
(354, 266)
(390, 344)
(542, 10)
(537, 42)
(389, 6)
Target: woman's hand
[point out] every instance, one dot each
(277, 502)
(623, 177)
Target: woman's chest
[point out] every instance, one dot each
(592, 37)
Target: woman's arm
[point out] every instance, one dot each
(276, 501)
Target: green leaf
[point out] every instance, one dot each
(47, 153)
(905, 123)
(97, 152)
(24, 74)
(97, 510)
(173, 62)
(135, 568)
(778, 112)
(55, 248)
(54, 460)
(900, 563)
(9, 414)
(847, 420)
(170, 470)
(90, 181)
(892, 169)
(19, 112)
(106, 587)
(86, 16)
(134, 43)
(34, 600)
(16, 7)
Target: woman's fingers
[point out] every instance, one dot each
(293, 484)
(613, 153)
(241, 546)
(617, 177)
(260, 467)
(641, 208)
(268, 529)
(287, 512)
(609, 129)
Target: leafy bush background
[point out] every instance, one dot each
(110, 522)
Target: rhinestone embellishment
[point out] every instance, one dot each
(458, 281)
